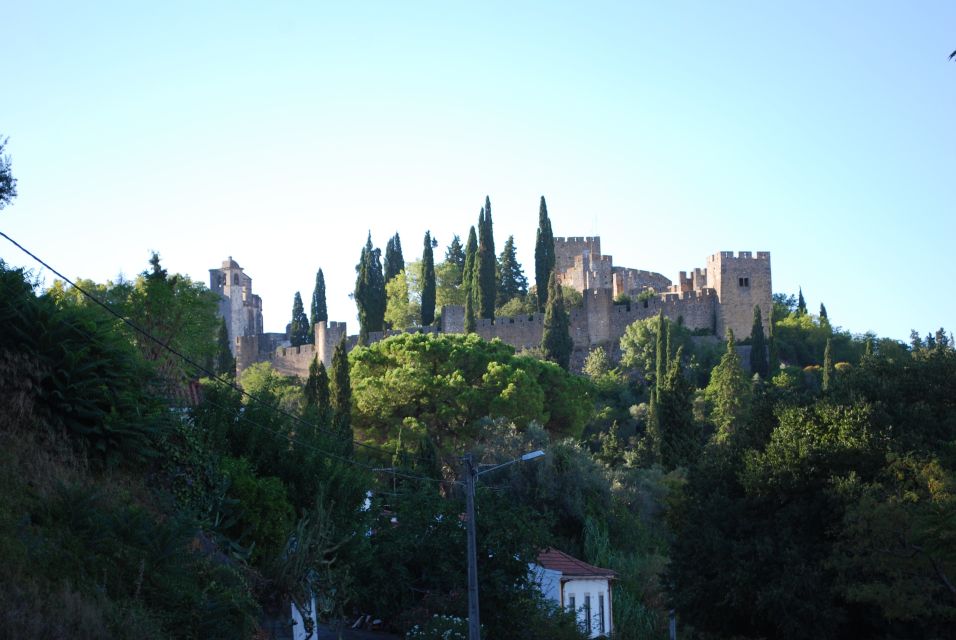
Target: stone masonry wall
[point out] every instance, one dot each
(566, 249)
(741, 282)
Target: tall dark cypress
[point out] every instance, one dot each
(370, 291)
(394, 260)
(317, 396)
(675, 417)
(801, 303)
(340, 390)
(828, 370)
(428, 282)
(455, 254)
(512, 282)
(823, 313)
(225, 363)
(659, 360)
(319, 310)
(556, 339)
(758, 346)
(299, 329)
(543, 255)
(471, 253)
(486, 264)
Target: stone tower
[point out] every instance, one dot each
(741, 282)
(241, 308)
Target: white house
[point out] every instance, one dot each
(578, 586)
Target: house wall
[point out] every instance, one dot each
(548, 581)
(579, 589)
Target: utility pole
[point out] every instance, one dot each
(471, 475)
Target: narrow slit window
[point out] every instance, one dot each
(601, 613)
(587, 613)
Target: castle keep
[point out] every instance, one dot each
(717, 297)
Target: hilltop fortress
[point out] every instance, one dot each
(711, 299)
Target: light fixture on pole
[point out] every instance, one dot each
(471, 479)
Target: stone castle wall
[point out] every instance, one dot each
(737, 282)
(741, 281)
(567, 249)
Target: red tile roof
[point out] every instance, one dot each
(571, 567)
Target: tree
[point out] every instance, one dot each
(828, 370)
(675, 416)
(823, 312)
(471, 254)
(400, 311)
(317, 394)
(225, 363)
(319, 310)
(340, 390)
(728, 392)
(455, 254)
(556, 338)
(544, 258)
(428, 282)
(8, 184)
(512, 282)
(660, 359)
(299, 328)
(370, 291)
(394, 260)
(758, 346)
(486, 264)
(801, 303)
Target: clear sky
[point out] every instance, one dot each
(279, 133)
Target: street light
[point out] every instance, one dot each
(471, 478)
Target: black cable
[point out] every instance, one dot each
(211, 374)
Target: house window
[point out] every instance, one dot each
(743, 282)
(601, 612)
(571, 603)
(587, 613)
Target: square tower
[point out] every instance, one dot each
(741, 283)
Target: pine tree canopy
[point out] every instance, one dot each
(455, 254)
(512, 282)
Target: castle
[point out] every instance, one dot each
(712, 299)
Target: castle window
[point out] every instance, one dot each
(235, 278)
(743, 282)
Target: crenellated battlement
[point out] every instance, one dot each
(716, 297)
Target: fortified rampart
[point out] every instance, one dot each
(711, 299)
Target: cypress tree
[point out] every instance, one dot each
(659, 359)
(455, 254)
(317, 397)
(299, 329)
(467, 274)
(394, 260)
(758, 346)
(428, 282)
(728, 392)
(370, 291)
(340, 390)
(773, 358)
(556, 339)
(486, 265)
(801, 303)
(225, 363)
(543, 255)
(319, 310)
(675, 416)
(827, 367)
(823, 312)
(512, 282)
(868, 347)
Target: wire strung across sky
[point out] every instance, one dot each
(186, 359)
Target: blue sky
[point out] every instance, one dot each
(280, 133)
